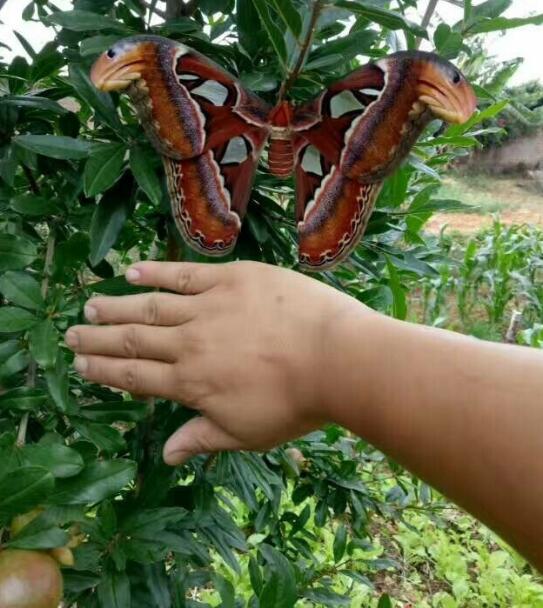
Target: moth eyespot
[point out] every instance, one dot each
(456, 77)
(111, 53)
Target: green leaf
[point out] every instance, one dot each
(157, 582)
(16, 252)
(118, 286)
(59, 459)
(279, 590)
(39, 536)
(274, 33)
(490, 112)
(55, 146)
(105, 437)
(490, 9)
(57, 383)
(255, 575)
(85, 21)
(289, 15)
(21, 289)
(384, 601)
(128, 411)
(103, 168)
(23, 399)
(323, 596)
(97, 44)
(502, 23)
(33, 205)
(114, 590)
(44, 343)
(387, 18)
(226, 591)
(98, 481)
(148, 521)
(448, 43)
(141, 164)
(399, 303)
(108, 220)
(249, 28)
(33, 102)
(13, 365)
(8, 348)
(15, 319)
(23, 489)
(76, 582)
(48, 61)
(347, 47)
(340, 542)
(100, 102)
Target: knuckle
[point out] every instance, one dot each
(130, 342)
(184, 280)
(132, 378)
(150, 310)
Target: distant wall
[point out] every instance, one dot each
(524, 154)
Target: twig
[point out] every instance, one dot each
(2, 2)
(29, 175)
(151, 6)
(427, 17)
(33, 366)
(304, 50)
(514, 327)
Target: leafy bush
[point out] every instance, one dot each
(81, 196)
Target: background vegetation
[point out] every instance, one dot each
(331, 523)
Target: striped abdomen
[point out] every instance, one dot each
(281, 155)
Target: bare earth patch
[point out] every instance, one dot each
(515, 199)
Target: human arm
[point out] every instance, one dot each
(266, 354)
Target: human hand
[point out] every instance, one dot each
(249, 346)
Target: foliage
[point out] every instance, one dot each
(524, 113)
(81, 196)
(495, 272)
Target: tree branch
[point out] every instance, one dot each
(151, 6)
(2, 2)
(427, 17)
(304, 50)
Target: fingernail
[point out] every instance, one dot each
(176, 457)
(81, 364)
(71, 338)
(91, 314)
(132, 275)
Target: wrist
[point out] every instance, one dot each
(353, 366)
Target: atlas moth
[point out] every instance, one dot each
(210, 132)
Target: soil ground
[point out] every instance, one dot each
(516, 199)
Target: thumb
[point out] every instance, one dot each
(198, 436)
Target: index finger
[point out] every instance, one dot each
(187, 278)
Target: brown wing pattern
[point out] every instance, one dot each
(210, 132)
(208, 129)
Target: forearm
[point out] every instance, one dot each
(465, 415)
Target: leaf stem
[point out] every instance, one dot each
(304, 51)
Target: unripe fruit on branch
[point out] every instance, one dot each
(29, 579)
(19, 522)
(63, 555)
